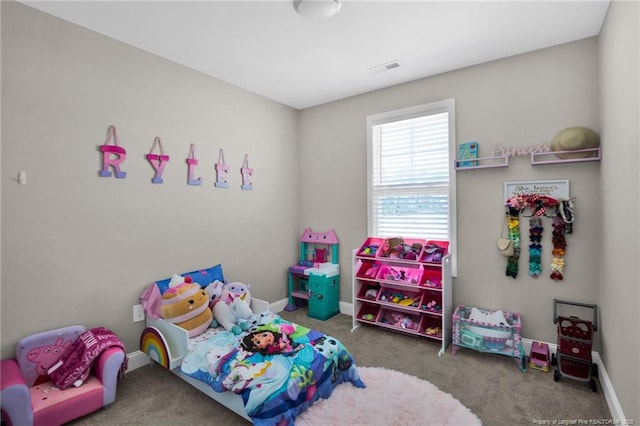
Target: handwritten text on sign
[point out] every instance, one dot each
(549, 188)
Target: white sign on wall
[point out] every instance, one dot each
(549, 188)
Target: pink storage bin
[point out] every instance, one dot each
(432, 302)
(368, 270)
(364, 288)
(368, 313)
(431, 278)
(396, 296)
(399, 320)
(403, 250)
(434, 251)
(431, 327)
(370, 247)
(405, 274)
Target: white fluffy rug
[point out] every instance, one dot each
(390, 398)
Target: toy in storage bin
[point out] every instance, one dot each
(489, 331)
(399, 320)
(370, 247)
(401, 248)
(432, 301)
(431, 278)
(368, 312)
(432, 327)
(399, 297)
(434, 251)
(368, 270)
(406, 274)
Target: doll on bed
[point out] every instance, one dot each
(268, 342)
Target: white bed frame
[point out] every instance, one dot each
(175, 340)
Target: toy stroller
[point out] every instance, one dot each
(575, 338)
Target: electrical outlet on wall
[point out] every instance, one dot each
(138, 313)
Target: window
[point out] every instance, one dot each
(411, 179)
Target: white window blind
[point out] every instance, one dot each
(410, 173)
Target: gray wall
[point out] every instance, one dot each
(77, 248)
(518, 101)
(619, 254)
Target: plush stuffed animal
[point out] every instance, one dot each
(232, 310)
(186, 305)
(232, 290)
(488, 317)
(214, 291)
(403, 321)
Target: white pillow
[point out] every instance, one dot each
(488, 317)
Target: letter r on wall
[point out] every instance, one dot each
(112, 156)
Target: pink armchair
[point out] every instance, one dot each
(28, 396)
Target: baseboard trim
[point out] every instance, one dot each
(346, 308)
(609, 393)
(279, 305)
(139, 359)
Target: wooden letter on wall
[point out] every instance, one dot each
(192, 162)
(119, 155)
(247, 174)
(157, 161)
(221, 171)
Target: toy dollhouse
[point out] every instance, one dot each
(315, 279)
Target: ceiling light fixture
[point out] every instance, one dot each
(317, 9)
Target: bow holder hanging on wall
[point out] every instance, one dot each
(562, 225)
(513, 227)
(539, 207)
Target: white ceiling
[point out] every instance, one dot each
(265, 47)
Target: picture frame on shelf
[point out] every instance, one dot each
(468, 154)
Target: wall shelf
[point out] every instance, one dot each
(545, 157)
(537, 158)
(484, 163)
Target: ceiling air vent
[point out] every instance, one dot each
(385, 67)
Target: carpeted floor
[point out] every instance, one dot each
(491, 386)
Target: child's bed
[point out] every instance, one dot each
(266, 387)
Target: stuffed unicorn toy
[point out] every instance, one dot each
(214, 290)
(231, 308)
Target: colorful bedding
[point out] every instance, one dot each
(280, 368)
